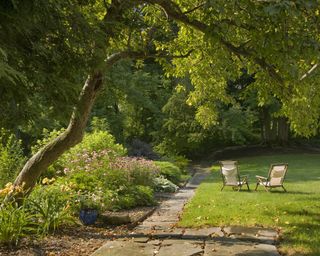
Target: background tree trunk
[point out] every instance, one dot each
(40, 161)
(283, 131)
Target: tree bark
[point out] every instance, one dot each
(283, 131)
(40, 161)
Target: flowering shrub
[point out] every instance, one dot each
(139, 171)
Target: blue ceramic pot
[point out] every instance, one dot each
(88, 216)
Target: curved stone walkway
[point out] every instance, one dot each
(159, 236)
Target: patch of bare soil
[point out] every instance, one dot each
(74, 241)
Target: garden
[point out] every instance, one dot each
(294, 213)
(105, 106)
(93, 177)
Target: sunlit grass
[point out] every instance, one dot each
(296, 213)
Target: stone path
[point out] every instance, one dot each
(159, 236)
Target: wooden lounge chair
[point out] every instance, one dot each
(230, 175)
(277, 173)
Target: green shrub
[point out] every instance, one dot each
(170, 171)
(84, 181)
(134, 196)
(52, 208)
(164, 185)
(15, 222)
(181, 162)
(98, 141)
(11, 157)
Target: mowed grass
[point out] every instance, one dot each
(296, 213)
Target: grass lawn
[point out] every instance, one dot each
(296, 213)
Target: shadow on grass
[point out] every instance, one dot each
(308, 235)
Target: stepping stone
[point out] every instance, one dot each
(175, 232)
(203, 233)
(141, 239)
(124, 248)
(180, 249)
(165, 218)
(248, 231)
(236, 247)
(256, 239)
(168, 242)
(268, 233)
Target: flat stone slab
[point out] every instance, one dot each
(268, 233)
(165, 233)
(128, 248)
(203, 233)
(227, 248)
(180, 249)
(165, 218)
(181, 241)
(250, 231)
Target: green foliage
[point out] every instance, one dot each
(180, 132)
(162, 184)
(180, 161)
(15, 223)
(170, 171)
(97, 141)
(82, 181)
(52, 208)
(47, 136)
(237, 125)
(134, 196)
(11, 157)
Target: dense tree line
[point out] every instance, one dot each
(183, 75)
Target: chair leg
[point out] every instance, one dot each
(222, 187)
(266, 189)
(284, 189)
(247, 186)
(239, 188)
(256, 187)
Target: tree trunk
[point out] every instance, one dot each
(40, 161)
(70, 137)
(283, 131)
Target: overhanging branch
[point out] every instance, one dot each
(175, 13)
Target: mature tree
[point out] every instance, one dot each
(276, 40)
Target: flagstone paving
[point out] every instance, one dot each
(159, 236)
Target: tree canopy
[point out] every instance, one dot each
(140, 53)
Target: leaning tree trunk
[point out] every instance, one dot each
(40, 161)
(70, 137)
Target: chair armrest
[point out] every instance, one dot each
(261, 177)
(244, 178)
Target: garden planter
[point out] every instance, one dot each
(88, 216)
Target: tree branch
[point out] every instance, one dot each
(194, 9)
(175, 13)
(308, 73)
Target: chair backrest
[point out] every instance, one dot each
(277, 174)
(229, 172)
